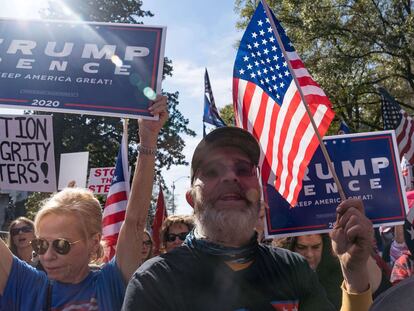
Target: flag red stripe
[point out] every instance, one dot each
(159, 217)
(297, 63)
(111, 239)
(247, 100)
(235, 101)
(293, 152)
(113, 218)
(260, 119)
(401, 135)
(116, 197)
(267, 163)
(293, 106)
(409, 134)
(311, 149)
(304, 81)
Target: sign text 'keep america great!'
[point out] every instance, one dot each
(87, 68)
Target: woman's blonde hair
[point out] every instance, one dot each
(77, 202)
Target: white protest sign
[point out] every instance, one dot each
(27, 161)
(100, 179)
(73, 167)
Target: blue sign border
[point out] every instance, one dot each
(28, 81)
(315, 211)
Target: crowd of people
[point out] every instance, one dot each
(213, 260)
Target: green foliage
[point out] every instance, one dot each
(350, 47)
(227, 114)
(34, 203)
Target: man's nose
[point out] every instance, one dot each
(229, 174)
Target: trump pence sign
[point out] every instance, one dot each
(368, 167)
(86, 68)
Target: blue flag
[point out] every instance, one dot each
(343, 128)
(211, 114)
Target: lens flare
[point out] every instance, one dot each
(149, 93)
(116, 60)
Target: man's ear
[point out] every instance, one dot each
(189, 198)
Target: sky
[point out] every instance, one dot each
(200, 34)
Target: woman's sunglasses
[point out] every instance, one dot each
(16, 231)
(147, 243)
(171, 236)
(60, 246)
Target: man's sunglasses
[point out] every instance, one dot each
(60, 246)
(171, 236)
(16, 231)
(215, 169)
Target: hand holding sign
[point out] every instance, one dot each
(352, 241)
(149, 129)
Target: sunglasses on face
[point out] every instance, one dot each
(60, 246)
(217, 169)
(16, 231)
(171, 236)
(147, 243)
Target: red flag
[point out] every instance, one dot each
(116, 202)
(268, 104)
(160, 215)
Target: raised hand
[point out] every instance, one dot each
(149, 129)
(352, 242)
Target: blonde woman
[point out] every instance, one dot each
(68, 230)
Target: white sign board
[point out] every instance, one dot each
(73, 167)
(100, 179)
(27, 160)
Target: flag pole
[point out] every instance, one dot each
(125, 136)
(125, 129)
(322, 145)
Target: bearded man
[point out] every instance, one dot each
(221, 266)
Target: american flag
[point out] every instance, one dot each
(116, 202)
(267, 103)
(395, 118)
(160, 215)
(211, 114)
(406, 171)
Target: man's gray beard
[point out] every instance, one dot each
(231, 226)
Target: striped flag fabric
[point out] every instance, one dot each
(268, 104)
(406, 171)
(160, 215)
(395, 118)
(116, 202)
